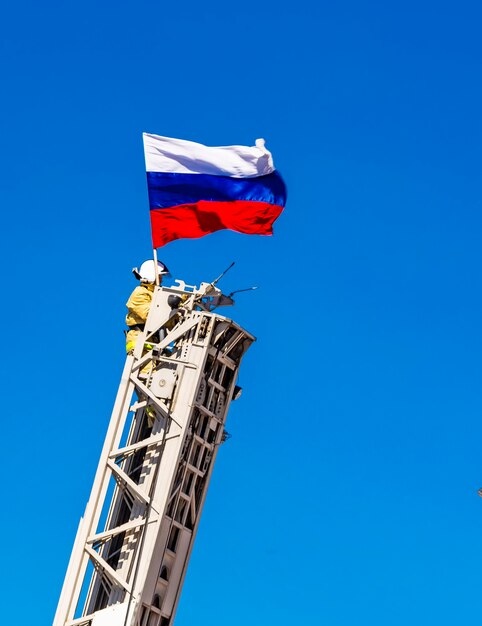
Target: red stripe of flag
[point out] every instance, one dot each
(203, 217)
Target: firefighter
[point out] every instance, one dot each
(140, 300)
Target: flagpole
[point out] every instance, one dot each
(156, 266)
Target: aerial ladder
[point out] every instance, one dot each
(134, 541)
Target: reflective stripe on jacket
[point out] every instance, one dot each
(131, 340)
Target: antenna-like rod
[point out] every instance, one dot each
(221, 275)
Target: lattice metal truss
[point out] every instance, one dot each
(133, 544)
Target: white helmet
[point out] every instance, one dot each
(147, 271)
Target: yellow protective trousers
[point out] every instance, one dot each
(131, 340)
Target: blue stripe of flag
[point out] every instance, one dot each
(168, 189)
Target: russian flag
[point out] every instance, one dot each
(195, 190)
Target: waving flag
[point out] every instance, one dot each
(195, 190)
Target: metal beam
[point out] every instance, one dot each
(130, 484)
(107, 568)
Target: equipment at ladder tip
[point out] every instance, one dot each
(135, 539)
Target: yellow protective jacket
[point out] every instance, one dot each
(139, 304)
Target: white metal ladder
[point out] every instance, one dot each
(134, 541)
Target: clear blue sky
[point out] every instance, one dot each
(347, 494)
